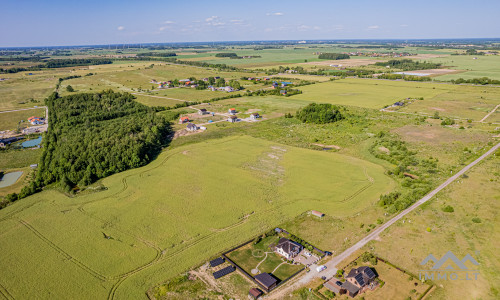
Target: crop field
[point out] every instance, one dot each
(483, 66)
(462, 102)
(189, 204)
(470, 228)
(368, 92)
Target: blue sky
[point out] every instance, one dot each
(86, 22)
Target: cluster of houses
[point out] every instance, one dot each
(191, 84)
(36, 120)
(228, 89)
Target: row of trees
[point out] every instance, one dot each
(59, 63)
(157, 54)
(226, 55)
(333, 56)
(408, 64)
(481, 81)
(404, 77)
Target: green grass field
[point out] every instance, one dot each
(189, 204)
(483, 66)
(368, 92)
(473, 196)
(10, 120)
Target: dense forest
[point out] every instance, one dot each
(319, 113)
(333, 56)
(408, 64)
(94, 135)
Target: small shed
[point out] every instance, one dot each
(317, 213)
(232, 119)
(267, 281)
(254, 116)
(255, 293)
(203, 111)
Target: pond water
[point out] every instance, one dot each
(10, 178)
(32, 143)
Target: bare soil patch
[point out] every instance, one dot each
(344, 62)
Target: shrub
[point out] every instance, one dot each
(319, 113)
(429, 229)
(476, 220)
(448, 209)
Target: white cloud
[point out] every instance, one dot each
(373, 27)
(214, 21)
(120, 28)
(404, 25)
(275, 14)
(169, 22)
(316, 28)
(236, 21)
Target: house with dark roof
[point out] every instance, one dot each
(254, 116)
(357, 281)
(267, 281)
(287, 248)
(8, 141)
(232, 119)
(191, 127)
(203, 111)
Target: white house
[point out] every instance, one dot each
(287, 248)
(254, 116)
(191, 127)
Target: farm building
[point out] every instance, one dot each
(232, 111)
(283, 92)
(229, 89)
(203, 111)
(191, 127)
(216, 262)
(232, 119)
(266, 280)
(317, 213)
(334, 285)
(255, 293)
(183, 120)
(223, 272)
(254, 116)
(288, 248)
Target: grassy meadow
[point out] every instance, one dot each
(10, 120)
(191, 203)
(471, 228)
(483, 66)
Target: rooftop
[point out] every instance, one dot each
(265, 279)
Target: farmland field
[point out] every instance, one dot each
(368, 93)
(483, 66)
(10, 120)
(150, 228)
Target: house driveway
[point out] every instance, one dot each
(304, 259)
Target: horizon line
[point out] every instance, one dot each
(253, 41)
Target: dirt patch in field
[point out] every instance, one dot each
(435, 72)
(328, 146)
(437, 134)
(384, 149)
(344, 62)
(437, 108)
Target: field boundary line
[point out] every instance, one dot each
(21, 109)
(63, 253)
(5, 293)
(154, 96)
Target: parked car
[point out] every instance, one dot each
(320, 268)
(323, 277)
(328, 253)
(307, 254)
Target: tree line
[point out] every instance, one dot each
(333, 56)
(59, 63)
(157, 54)
(408, 64)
